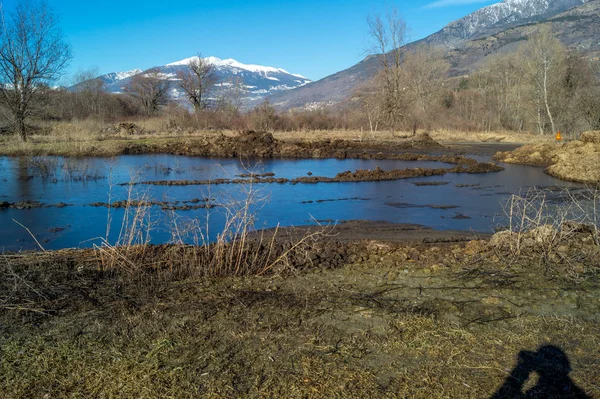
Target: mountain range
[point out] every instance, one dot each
(254, 83)
(467, 43)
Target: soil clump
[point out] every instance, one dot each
(360, 175)
(29, 204)
(252, 144)
(165, 205)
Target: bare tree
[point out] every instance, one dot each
(422, 76)
(149, 89)
(33, 54)
(544, 62)
(389, 35)
(366, 96)
(89, 90)
(263, 116)
(197, 80)
(231, 99)
(503, 88)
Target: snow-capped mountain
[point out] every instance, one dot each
(254, 83)
(111, 78)
(231, 63)
(497, 28)
(497, 17)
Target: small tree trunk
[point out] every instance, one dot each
(546, 98)
(371, 125)
(21, 127)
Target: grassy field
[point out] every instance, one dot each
(419, 321)
(90, 138)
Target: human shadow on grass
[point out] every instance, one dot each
(552, 366)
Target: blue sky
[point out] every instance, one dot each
(314, 38)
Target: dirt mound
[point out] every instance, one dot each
(532, 154)
(125, 128)
(258, 144)
(424, 140)
(29, 204)
(577, 161)
(253, 144)
(379, 174)
(591, 137)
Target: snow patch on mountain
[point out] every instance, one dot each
(253, 83)
(126, 74)
(500, 14)
(230, 62)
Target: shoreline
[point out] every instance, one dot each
(251, 144)
(341, 232)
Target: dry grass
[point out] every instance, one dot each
(391, 324)
(449, 136)
(89, 137)
(237, 249)
(443, 136)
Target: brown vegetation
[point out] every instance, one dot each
(349, 319)
(118, 140)
(577, 161)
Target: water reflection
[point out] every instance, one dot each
(477, 196)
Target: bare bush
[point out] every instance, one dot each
(238, 248)
(557, 229)
(134, 234)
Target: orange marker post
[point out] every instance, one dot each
(558, 136)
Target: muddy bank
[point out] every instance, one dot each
(247, 144)
(29, 204)
(481, 149)
(354, 319)
(360, 175)
(251, 144)
(319, 201)
(164, 205)
(403, 205)
(431, 183)
(195, 203)
(363, 230)
(577, 161)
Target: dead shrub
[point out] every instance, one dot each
(237, 249)
(557, 229)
